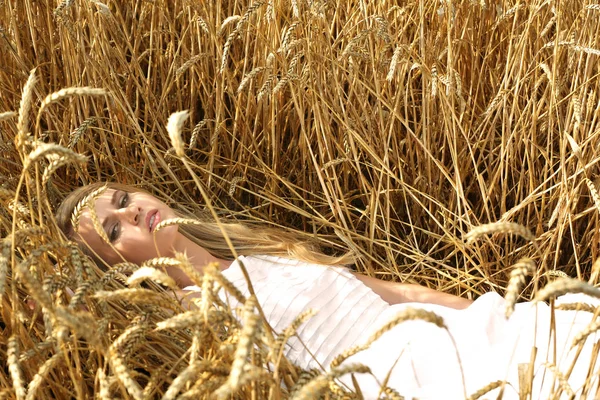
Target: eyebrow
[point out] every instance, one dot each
(113, 201)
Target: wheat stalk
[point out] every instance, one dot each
(51, 149)
(564, 286)
(582, 336)
(12, 360)
(250, 331)
(143, 296)
(68, 92)
(408, 314)
(183, 378)
(564, 383)
(153, 274)
(39, 377)
(315, 387)
(119, 367)
(502, 227)
(487, 388)
(24, 110)
(7, 115)
(81, 129)
(82, 204)
(277, 350)
(174, 126)
(5, 249)
(520, 270)
(586, 307)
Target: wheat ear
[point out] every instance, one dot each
(503, 227)
(487, 388)
(517, 278)
(143, 273)
(12, 359)
(24, 110)
(408, 314)
(41, 374)
(564, 286)
(582, 336)
(83, 203)
(250, 331)
(314, 388)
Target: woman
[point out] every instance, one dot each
(471, 346)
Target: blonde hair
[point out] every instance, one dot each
(247, 239)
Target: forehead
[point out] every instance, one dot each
(101, 202)
(101, 205)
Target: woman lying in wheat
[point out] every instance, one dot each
(448, 347)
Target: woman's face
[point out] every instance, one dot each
(129, 220)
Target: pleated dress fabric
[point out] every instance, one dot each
(478, 345)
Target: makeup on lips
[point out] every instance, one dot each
(152, 219)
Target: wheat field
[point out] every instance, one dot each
(450, 144)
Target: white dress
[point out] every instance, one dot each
(422, 360)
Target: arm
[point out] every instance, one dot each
(396, 293)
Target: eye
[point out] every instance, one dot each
(124, 200)
(114, 232)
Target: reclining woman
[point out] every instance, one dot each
(472, 346)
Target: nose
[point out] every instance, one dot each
(131, 214)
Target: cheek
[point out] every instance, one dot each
(165, 238)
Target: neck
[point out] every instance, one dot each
(198, 256)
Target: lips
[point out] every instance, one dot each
(152, 219)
